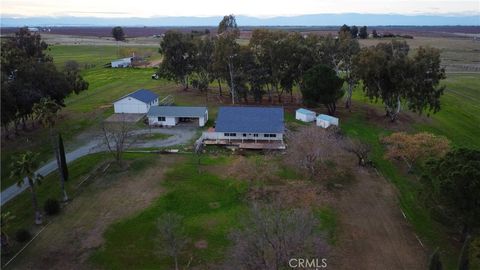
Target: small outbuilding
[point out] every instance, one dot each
(325, 121)
(122, 63)
(171, 115)
(139, 101)
(305, 115)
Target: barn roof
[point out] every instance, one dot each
(250, 119)
(143, 95)
(176, 111)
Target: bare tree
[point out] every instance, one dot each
(172, 239)
(272, 235)
(360, 149)
(310, 146)
(118, 137)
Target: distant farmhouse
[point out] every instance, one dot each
(139, 101)
(172, 115)
(248, 127)
(122, 63)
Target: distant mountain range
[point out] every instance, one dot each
(301, 20)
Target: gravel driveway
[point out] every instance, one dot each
(180, 135)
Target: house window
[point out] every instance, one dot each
(226, 134)
(230, 134)
(266, 135)
(255, 135)
(273, 135)
(161, 119)
(233, 134)
(244, 134)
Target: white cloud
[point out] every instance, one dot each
(259, 8)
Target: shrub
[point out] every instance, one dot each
(23, 235)
(51, 207)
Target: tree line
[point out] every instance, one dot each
(28, 75)
(274, 63)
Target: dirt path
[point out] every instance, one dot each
(373, 232)
(69, 240)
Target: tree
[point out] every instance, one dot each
(203, 62)
(72, 74)
(360, 149)
(118, 137)
(227, 48)
(354, 31)
(63, 166)
(179, 54)
(374, 33)
(344, 29)
(47, 112)
(23, 167)
(172, 239)
(348, 48)
(390, 75)
(451, 185)
(413, 148)
(321, 85)
(28, 75)
(309, 147)
(6, 218)
(272, 234)
(118, 34)
(363, 32)
(435, 263)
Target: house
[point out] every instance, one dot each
(121, 63)
(139, 101)
(172, 115)
(325, 121)
(305, 115)
(248, 127)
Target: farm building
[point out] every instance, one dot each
(305, 115)
(248, 127)
(325, 121)
(121, 63)
(139, 101)
(172, 115)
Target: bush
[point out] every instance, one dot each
(23, 235)
(51, 207)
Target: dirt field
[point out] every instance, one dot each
(373, 231)
(68, 241)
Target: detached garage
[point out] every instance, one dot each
(139, 101)
(172, 115)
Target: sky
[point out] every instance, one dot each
(256, 8)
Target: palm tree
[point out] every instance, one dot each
(47, 112)
(24, 167)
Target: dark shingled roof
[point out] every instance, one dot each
(177, 111)
(143, 95)
(250, 119)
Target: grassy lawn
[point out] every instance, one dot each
(459, 117)
(191, 195)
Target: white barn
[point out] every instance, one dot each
(325, 121)
(171, 115)
(121, 63)
(305, 115)
(139, 101)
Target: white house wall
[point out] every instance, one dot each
(169, 121)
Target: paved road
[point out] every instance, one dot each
(180, 135)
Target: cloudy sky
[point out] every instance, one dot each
(257, 8)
